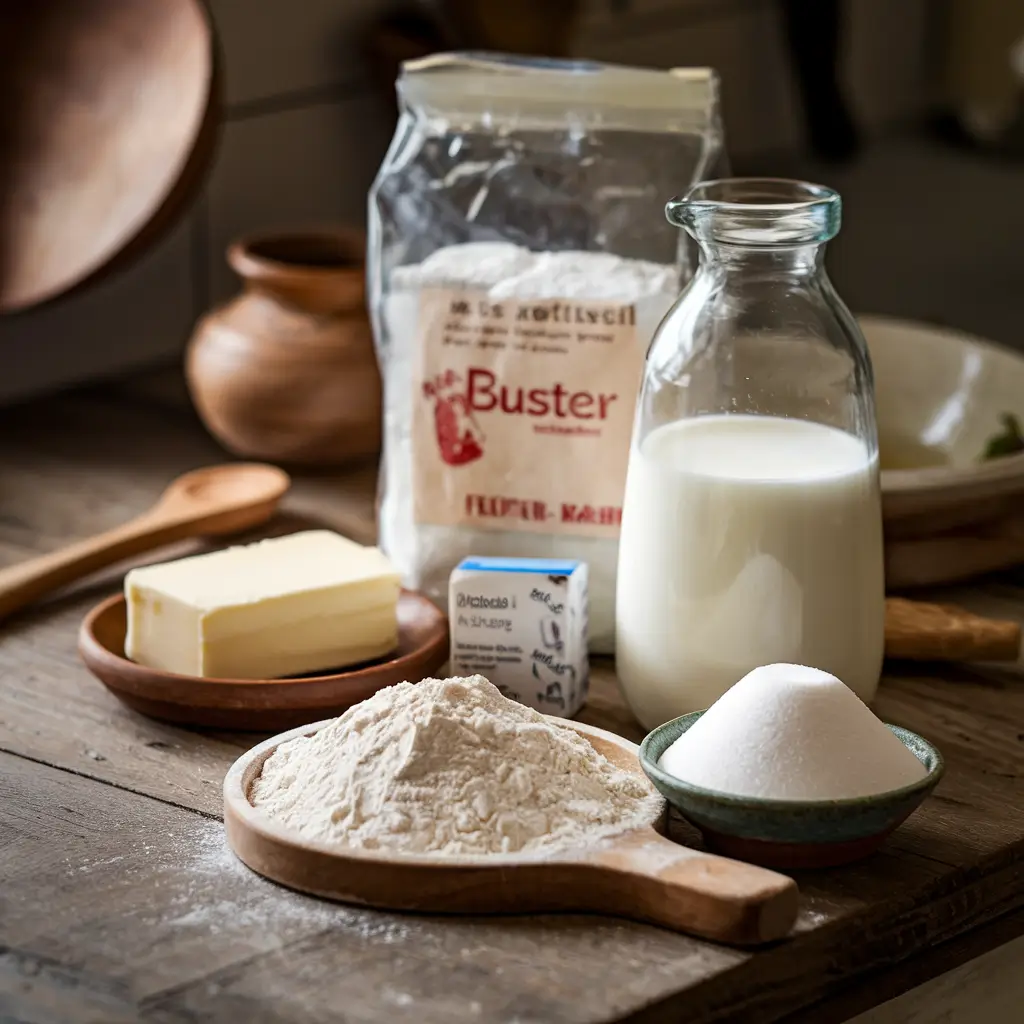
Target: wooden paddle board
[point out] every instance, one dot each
(639, 874)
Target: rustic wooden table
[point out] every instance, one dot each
(119, 901)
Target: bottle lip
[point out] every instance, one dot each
(758, 211)
(773, 195)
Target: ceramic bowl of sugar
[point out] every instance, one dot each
(790, 769)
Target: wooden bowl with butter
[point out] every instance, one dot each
(261, 705)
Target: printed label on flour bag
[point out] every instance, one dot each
(523, 410)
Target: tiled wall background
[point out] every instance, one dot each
(305, 132)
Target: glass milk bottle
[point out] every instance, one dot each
(751, 527)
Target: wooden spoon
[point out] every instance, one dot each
(211, 501)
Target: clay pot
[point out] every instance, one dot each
(286, 371)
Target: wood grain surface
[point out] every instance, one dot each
(119, 902)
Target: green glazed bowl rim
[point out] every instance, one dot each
(917, 745)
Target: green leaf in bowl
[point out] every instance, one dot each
(1010, 441)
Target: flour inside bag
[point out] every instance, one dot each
(519, 262)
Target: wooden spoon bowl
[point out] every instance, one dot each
(261, 705)
(639, 874)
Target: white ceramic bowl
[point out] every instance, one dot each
(943, 392)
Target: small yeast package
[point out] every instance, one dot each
(519, 263)
(522, 623)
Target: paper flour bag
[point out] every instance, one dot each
(519, 263)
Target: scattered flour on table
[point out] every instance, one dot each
(196, 885)
(452, 767)
(214, 893)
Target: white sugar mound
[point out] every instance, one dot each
(449, 766)
(788, 732)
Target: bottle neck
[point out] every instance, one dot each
(762, 226)
(790, 261)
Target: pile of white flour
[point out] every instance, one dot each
(426, 553)
(449, 766)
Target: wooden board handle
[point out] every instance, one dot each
(644, 875)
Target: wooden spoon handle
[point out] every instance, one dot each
(25, 582)
(644, 875)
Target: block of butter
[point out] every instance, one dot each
(522, 623)
(297, 604)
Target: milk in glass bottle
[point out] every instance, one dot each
(751, 526)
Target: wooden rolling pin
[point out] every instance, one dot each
(920, 631)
